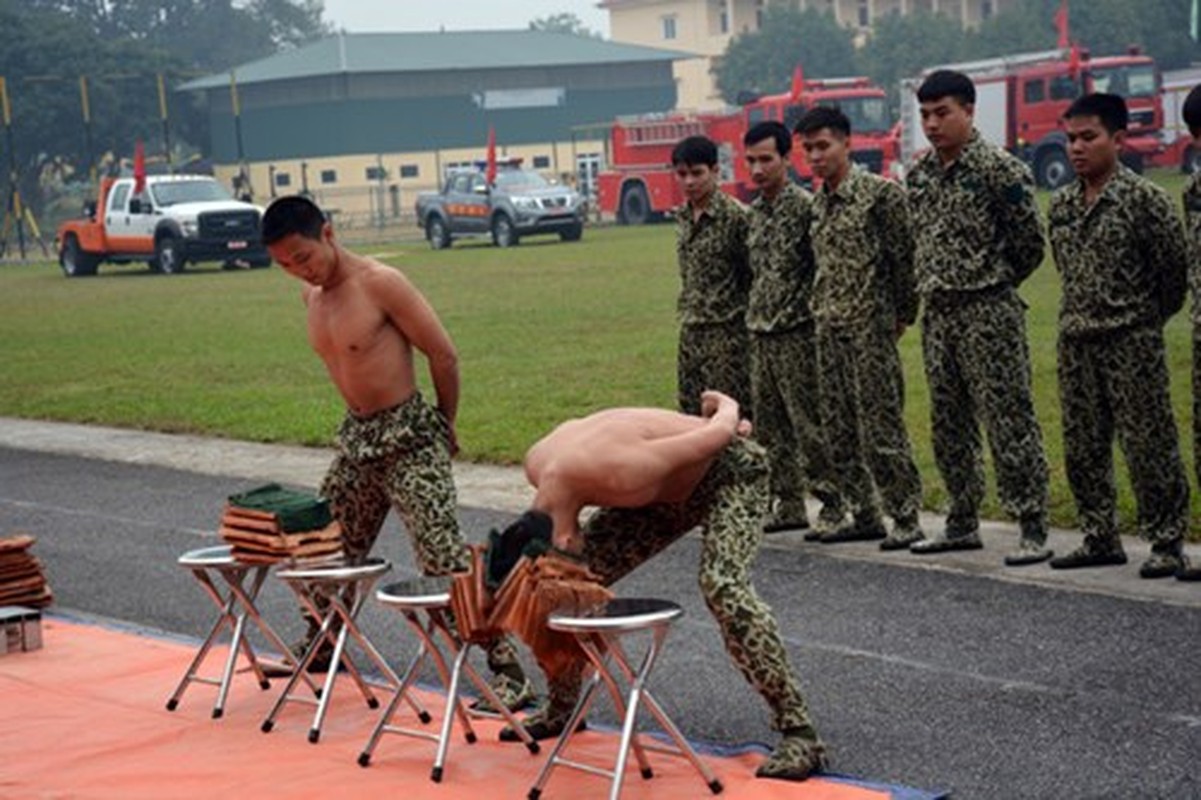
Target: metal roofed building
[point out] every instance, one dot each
(393, 111)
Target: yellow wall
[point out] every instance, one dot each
(357, 201)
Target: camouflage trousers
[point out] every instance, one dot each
(713, 357)
(784, 395)
(1197, 402)
(862, 390)
(1118, 383)
(729, 503)
(978, 369)
(400, 458)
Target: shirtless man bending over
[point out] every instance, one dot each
(393, 449)
(656, 475)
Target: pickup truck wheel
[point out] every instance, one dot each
(573, 233)
(74, 261)
(503, 232)
(436, 232)
(168, 254)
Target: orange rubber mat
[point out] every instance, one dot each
(85, 717)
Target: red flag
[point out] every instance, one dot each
(1061, 25)
(139, 167)
(490, 174)
(798, 82)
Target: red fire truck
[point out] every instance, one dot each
(1020, 101)
(639, 183)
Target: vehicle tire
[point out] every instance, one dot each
(1134, 161)
(1192, 160)
(74, 261)
(1052, 169)
(573, 233)
(635, 208)
(437, 233)
(168, 253)
(503, 232)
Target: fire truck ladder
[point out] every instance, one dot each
(1003, 65)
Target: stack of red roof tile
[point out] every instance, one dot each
(22, 578)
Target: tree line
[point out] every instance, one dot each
(899, 47)
(55, 54)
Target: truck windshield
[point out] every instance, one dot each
(867, 114)
(519, 180)
(1134, 80)
(168, 194)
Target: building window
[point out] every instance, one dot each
(329, 176)
(985, 9)
(541, 162)
(865, 16)
(376, 173)
(759, 14)
(723, 21)
(409, 171)
(283, 179)
(669, 27)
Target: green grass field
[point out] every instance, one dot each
(545, 331)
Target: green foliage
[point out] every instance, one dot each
(122, 47)
(902, 46)
(762, 62)
(563, 23)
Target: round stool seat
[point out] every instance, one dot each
(618, 616)
(218, 556)
(338, 571)
(417, 593)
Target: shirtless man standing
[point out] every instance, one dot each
(655, 475)
(393, 449)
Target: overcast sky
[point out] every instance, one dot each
(384, 16)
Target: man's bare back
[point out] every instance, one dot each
(364, 319)
(626, 458)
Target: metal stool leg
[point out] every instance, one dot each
(402, 693)
(555, 758)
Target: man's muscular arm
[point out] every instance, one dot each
(413, 316)
(660, 458)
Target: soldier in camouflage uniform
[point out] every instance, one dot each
(364, 321)
(977, 237)
(863, 299)
(1119, 247)
(783, 349)
(714, 278)
(1192, 213)
(655, 475)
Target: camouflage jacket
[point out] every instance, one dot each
(1122, 259)
(781, 261)
(714, 275)
(863, 242)
(975, 222)
(1192, 216)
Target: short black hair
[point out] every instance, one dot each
(1192, 110)
(292, 214)
(820, 117)
(770, 129)
(947, 83)
(1109, 108)
(694, 150)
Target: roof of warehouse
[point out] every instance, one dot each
(435, 52)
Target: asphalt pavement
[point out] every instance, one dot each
(940, 672)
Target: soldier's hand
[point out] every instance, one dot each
(714, 401)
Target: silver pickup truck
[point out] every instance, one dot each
(520, 203)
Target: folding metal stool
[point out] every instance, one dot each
(599, 633)
(431, 595)
(321, 589)
(236, 603)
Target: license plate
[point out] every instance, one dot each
(237, 245)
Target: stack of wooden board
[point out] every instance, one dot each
(275, 524)
(22, 578)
